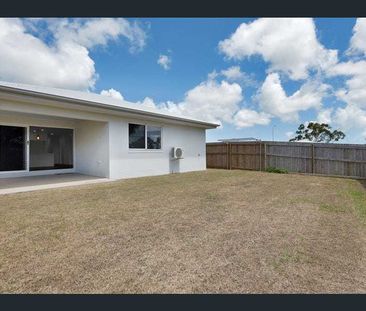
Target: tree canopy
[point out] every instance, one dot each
(317, 132)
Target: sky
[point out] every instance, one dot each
(255, 77)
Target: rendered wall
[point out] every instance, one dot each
(125, 163)
(91, 148)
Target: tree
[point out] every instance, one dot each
(317, 132)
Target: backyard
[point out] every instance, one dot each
(215, 231)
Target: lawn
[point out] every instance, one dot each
(204, 232)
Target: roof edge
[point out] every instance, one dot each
(89, 103)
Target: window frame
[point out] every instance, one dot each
(144, 149)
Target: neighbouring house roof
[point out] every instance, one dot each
(96, 100)
(238, 139)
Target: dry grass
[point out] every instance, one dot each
(204, 232)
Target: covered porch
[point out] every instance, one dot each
(35, 144)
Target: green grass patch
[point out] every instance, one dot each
(332, 208)
(272, 169)
(359, 202)
(211, 197)
(290, 257)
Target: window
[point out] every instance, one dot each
(153, 137)
(50, 148)
(136, 136)
(12, 148)
(144, 136)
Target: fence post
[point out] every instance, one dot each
(260, 156)
(312, 159)
(229, 156)
(265, 156)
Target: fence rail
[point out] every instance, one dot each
(347, 160)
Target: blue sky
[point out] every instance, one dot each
(250, 75)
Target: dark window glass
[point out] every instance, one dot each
(12, 148)
(50, 148)
(136, 136)
(153, 137)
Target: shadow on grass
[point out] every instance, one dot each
(363, 182)
(358, 197)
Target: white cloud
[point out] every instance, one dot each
(247, 117)
(358, 40)
(350, 116)
(290, 134)
(353, 94)
(233, 73)
(325, 116)
(148, 103)
(112, 93)
(273, 99)
(220, 102)
(98, 31)
(55, 52)
(349, 68)
(164, 61)
(355, 91)
(213, 101)
(210, 100)
(213, 75)
(288, 44)
(353, 114)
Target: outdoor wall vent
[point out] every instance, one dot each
(177, 153)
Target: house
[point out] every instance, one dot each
(49, 131)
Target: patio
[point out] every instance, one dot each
(32, 183)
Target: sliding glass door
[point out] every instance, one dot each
(50, 148)
(12, 148)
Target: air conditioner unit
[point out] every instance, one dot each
(177, 153)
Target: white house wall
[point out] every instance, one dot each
(125, 163)
(91, 148)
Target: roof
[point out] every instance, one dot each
(244, 139)
(97, 100)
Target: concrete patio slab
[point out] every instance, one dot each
(33, 183)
